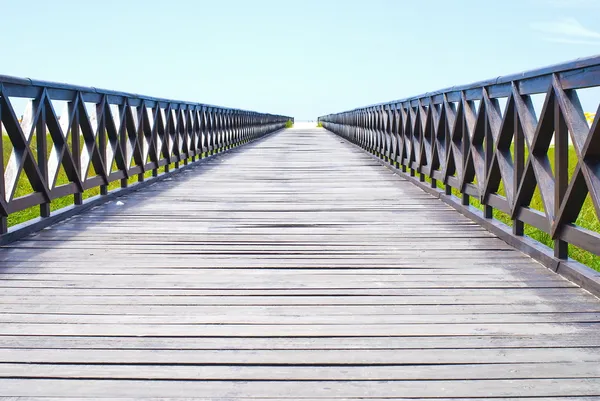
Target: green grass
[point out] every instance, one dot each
(586, 219)
(24, 188)
(289, 124)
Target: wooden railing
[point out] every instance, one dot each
(102, 137)
(486, 143)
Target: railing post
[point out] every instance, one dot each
(433, 136)
(41, 142)
(101, 134)
(195, 133)
(561, 171)
(217, 130)
(73, 111)
(176, 138)
(212, 132)
(203, 133)
(141, 139)
(518, 227)
(465, 144)
(186, 133)
(122, 130)
(3, 216)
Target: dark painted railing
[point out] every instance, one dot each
(104, 136)
(462, 138)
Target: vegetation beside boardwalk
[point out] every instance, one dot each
(24, 187)
(587, 217)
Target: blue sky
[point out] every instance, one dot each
(301, 58)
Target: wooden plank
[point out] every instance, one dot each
(573, 398)
(483, 299)
(312, 330)
(470, 343)
(292, 318)
(300, 310)
(576, 398)
(99, 288)
(300, 389)
(568, 370)
(301, 357)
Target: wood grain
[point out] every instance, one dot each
(296, 267)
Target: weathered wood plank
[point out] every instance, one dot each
(301, 389)
(468, 343)
(571, 398)
(293, 319)
(301, 310)
(302, 373)
(302, 357)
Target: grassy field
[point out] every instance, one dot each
(586, 219)
(24, 188)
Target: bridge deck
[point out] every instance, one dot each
(296, 267)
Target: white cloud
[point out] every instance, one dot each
(567, 30)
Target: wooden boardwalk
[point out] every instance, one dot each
(296, 267)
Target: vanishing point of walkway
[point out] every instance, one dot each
(294, 267)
